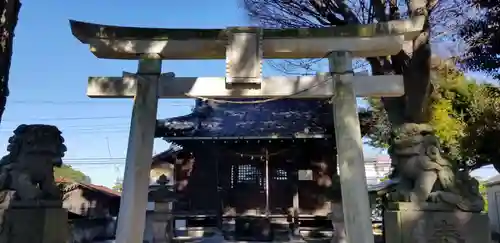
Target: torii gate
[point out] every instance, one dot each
(244, 49)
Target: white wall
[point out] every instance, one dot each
(162, 169)
(493, 195)
(376, 169)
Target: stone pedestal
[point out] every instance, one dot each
(413, 226)
(161, 223)
(34, 225)
(160, 219)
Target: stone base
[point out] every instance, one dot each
(38, 225)
(433, 227)
(159, 223)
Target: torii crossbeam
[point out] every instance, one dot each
(244, 49)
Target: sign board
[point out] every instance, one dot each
(305, 175)
(244, 56)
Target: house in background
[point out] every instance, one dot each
(493, 195)
(92, 210)
(377, 168)
(163, 164)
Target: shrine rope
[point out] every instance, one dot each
(261, 155)
(258, 101)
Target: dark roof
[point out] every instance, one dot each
(173, 149)
(167, 155)
(284, 118)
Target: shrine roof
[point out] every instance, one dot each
(279, 118)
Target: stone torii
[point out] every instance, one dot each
(244, 49)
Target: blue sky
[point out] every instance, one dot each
(50, 70)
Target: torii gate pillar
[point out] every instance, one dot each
(357, 214)
(134, 199)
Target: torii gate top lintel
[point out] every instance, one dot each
(117, 42)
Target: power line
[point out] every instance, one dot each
(95, 164)
(114, 124)
(94, 161)
(70, 118)
(90, 158)
(67, 118)
(81, 128)
(85, 133)
(72, 102)
(69, 102)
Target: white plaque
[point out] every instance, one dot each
(244, 56)
(305, 175)
(180, 223)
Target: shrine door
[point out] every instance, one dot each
(281, 184)
(248, 188)
(249, 191)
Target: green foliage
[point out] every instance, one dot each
(448, 127)
(449, 103)
(482, 190)
(67, 172)
(480, 145)
(118, 186)
(465, 115)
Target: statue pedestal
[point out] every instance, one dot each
(162, 223)
(34, 225)
(429, 226)
(159, 218)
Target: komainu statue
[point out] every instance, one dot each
(421, 174)
(27, 171)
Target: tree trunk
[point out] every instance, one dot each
(412, 135)
(413, 62)
(10, 11)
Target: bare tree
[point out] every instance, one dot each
(413, 63)
(10, 11)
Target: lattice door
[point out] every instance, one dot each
(280, 185)
(248, 186)
(248, 174)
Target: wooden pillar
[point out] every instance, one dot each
(220, 209)
(295, 201)
(134, 199)
(338, 223)
(266, 170)
(356, 207)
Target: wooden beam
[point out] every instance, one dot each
(215, 87)
(115, 42)
(274, 48)
(356, 206)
